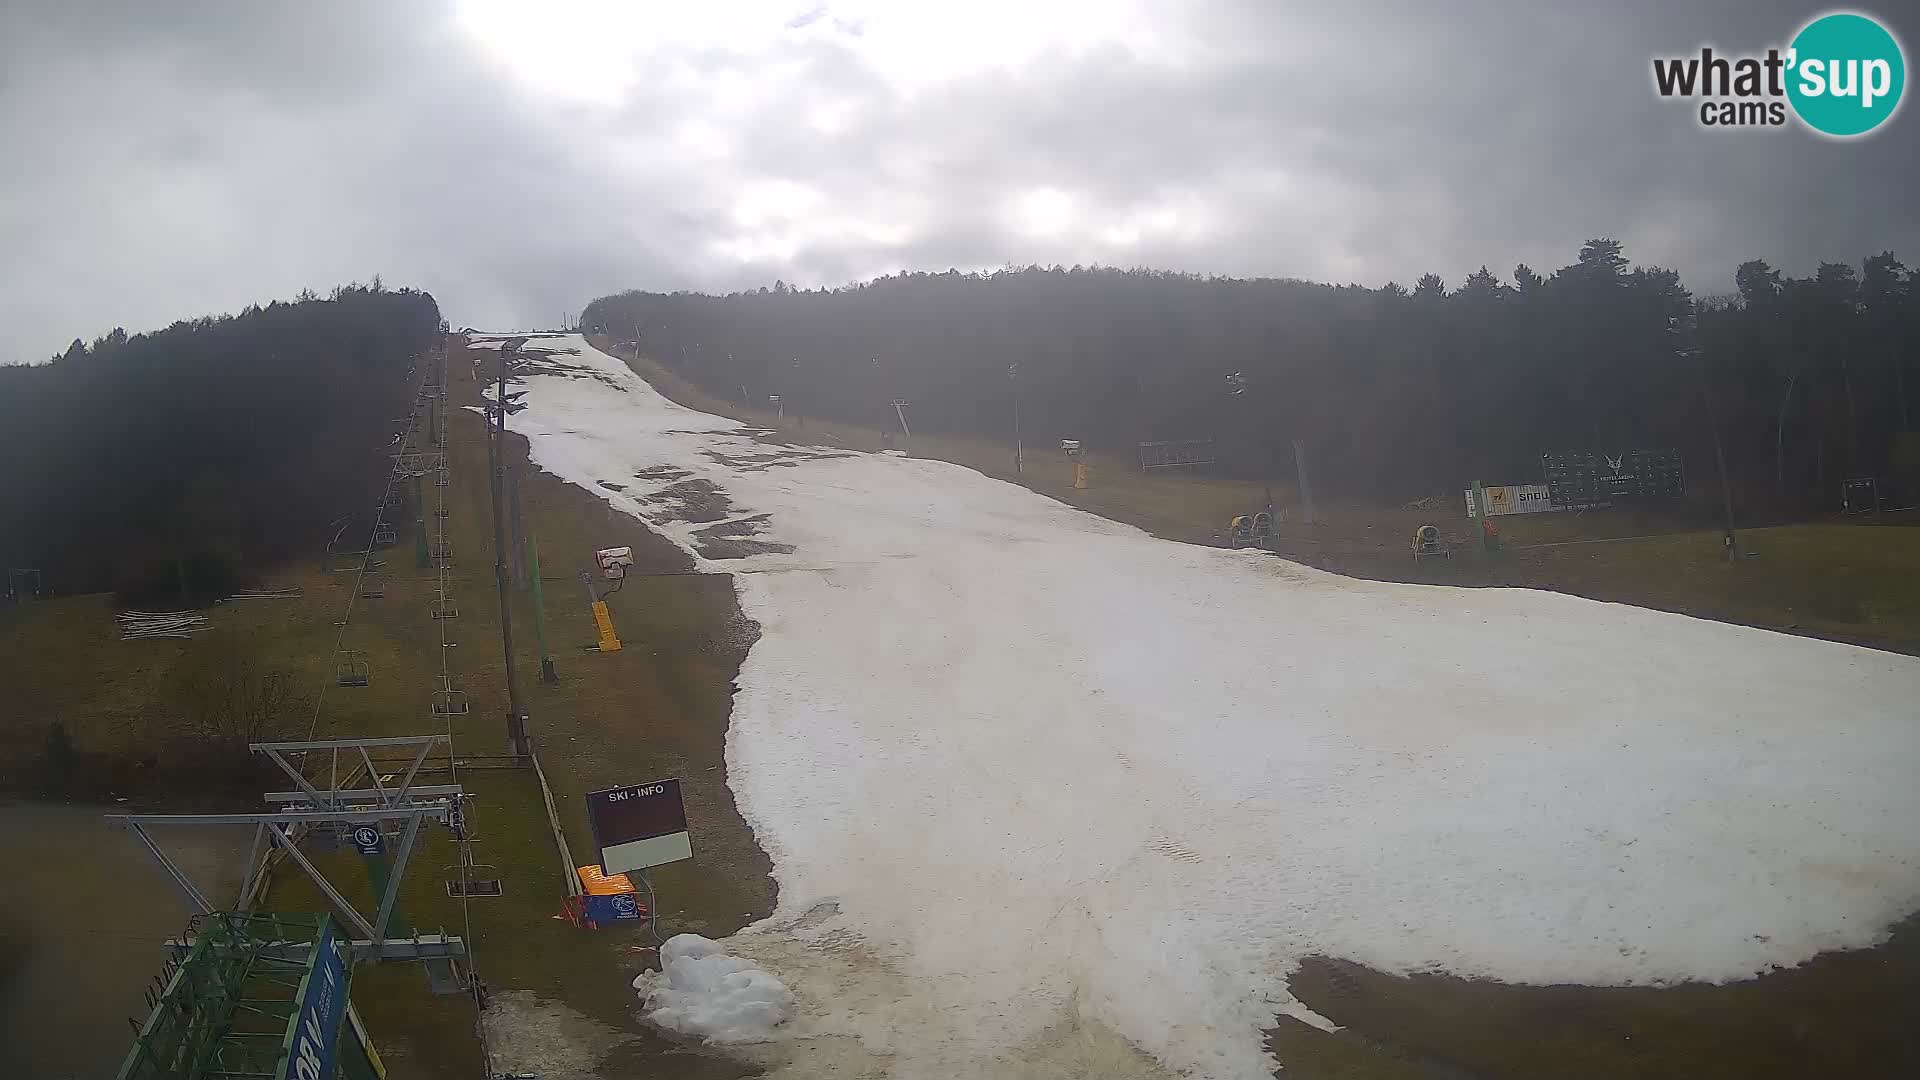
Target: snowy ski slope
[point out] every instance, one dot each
(1027, 775)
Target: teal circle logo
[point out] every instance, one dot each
(1846, 73)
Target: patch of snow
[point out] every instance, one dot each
(701, 991)
(533, 1036)
(1025, 773)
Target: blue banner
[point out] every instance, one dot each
(316, 1026)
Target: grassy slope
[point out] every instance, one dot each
(657, 708)
(1848, 581)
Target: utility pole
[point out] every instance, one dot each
(1719, 458)
(1237, 387)
(1306, 486)
(515, 542)
(516, 717)
(1013, 378)
(421, 557)
(1683, 328)
(547, 674)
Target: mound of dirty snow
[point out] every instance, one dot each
(701, 991)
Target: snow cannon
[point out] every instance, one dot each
(1251, 530)
(1427, 544)
(1071, 448)
(614, 561)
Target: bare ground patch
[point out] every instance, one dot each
(1839, 1014)
(549, 363)
(697, 500)
(738, 527)
(733, 539)
(763, 462)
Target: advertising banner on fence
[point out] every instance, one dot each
(1580, 480)
(1512, 499)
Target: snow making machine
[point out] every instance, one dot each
(1251, 530)
(1427, 544)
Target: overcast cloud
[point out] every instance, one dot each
(518, 159)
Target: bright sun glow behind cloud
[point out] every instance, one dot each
(1044, 212)
(689, 89)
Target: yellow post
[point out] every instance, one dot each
(1080, 474)
(366, 1043)
(609, 641)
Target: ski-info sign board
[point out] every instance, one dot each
(639, 825)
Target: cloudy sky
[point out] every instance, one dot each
(518, 159)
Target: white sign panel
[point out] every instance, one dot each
(1503, 499)
(640, 825)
